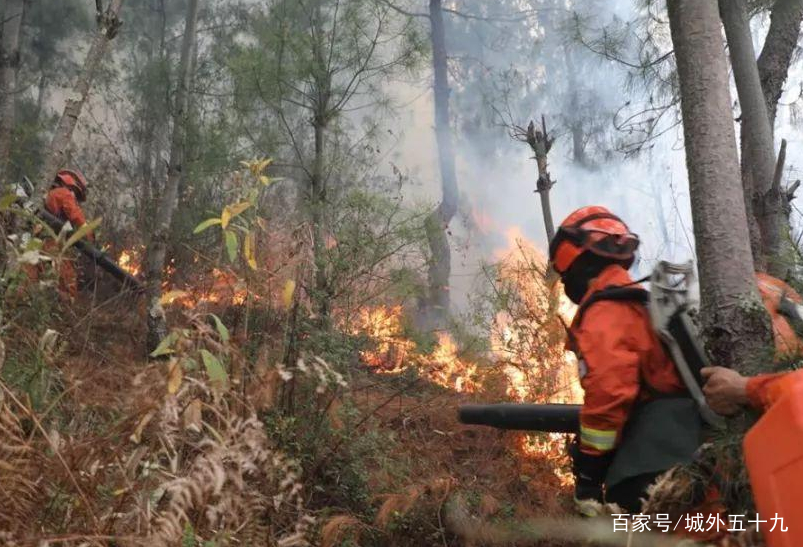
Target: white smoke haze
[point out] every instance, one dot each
(496, 174)
(649, 191)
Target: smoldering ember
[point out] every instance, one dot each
(406, 273)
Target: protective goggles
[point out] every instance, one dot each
(572, 241)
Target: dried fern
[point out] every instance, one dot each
(19, 494)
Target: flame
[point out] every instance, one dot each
(225, 288)
(221, 287)
(529, 335)
(444, 367)
(392, 352)
(130, 260)
(383, 325)
(529, 342)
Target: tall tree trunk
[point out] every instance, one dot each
(318, 204)
(779, 46)
(437, 223)
(734, 323)
(762, 199)
(157, 249)
(9, 63)
(572, 108)
(108, 25)
(540, 143)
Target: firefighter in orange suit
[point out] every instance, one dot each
(726, 390)
(778, 298)
(69, 189)
(637, 420)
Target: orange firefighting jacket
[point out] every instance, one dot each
(763, 390)
(619, 353)
(772, 289)
(61, 202)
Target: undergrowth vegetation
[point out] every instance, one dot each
(256, 420)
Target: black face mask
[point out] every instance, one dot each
(575, 287)
(583, 270)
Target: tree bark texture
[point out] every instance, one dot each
(157, 249)
(9, 63)
(772, 249)
(108, 25)
(734, 322)
(318, 203)
(437, 223)
(540, 143)
(779, 47)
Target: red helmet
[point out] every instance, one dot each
(593, 229)
(73, 179)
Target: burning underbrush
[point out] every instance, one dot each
(251, 426)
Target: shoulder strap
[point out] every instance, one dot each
(621, 294)
(627, 293)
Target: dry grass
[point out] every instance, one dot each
(144, 454)
(340, 528)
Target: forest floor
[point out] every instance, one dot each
(392, 467)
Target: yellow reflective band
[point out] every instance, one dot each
(598, 438)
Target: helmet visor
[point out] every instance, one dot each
(569, 243)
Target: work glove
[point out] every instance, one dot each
(589, 475)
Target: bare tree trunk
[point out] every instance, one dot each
(41, 89)
(734, 322)
(762, 198)
(318, 202)
(157, 249)
(108, 25)
(9, 63)
(437, 223)
(540, 143)
(572, 113)
(779, 47)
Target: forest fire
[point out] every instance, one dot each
(222, 287)
(383, 325)
(392, 352)
(130, 261)
(527, 338)
(529, 332)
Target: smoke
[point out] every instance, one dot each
(497, 174)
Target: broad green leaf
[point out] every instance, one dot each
(231, 245)
(221, 328)
(34, 244)
(165, 347)
(206, 224)
(287, 293)
(258, 166)
(81, 232)
(267, 181)
(214, 369)
(231, 211)
(248, 250)
(7, 201)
